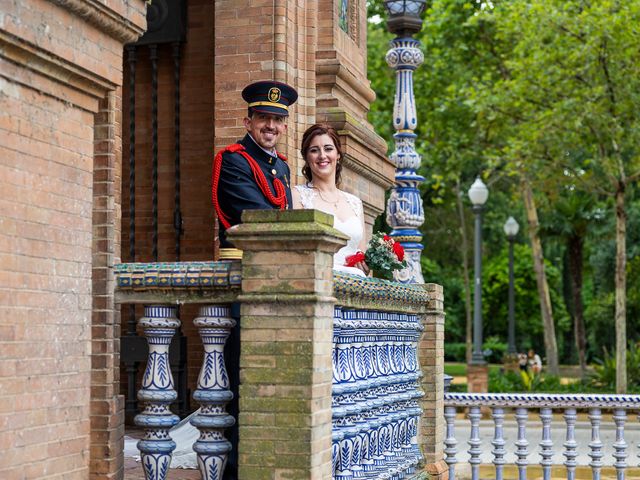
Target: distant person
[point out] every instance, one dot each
(535, 363)
(523, 361)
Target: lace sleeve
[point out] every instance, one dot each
(306, 196)
(355, 203)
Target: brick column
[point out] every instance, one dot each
(431, 355)
(478, 378)
(286, 342)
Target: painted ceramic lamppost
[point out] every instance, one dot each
(405, 213)
(478, 193)
(511, 228)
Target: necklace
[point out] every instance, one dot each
(335, 204)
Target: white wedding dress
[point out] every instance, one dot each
(351, 226)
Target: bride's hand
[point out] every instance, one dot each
(362, 266)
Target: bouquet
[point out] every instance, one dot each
(383, 256)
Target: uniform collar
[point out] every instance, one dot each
(272, 153)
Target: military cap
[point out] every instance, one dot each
(269, 96)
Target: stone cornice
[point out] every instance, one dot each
(372, 293)
(332, 68)
(103, 18)
(349, 127)
(52, 67)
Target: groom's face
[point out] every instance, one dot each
(266, 128)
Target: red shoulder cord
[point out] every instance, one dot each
(279, 200)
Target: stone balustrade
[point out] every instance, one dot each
(341, 376)
(596, 408)
(161, 287)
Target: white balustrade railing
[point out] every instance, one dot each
(515, 409)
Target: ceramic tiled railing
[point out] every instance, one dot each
(376, 373)
(376, 378)
(160, 287)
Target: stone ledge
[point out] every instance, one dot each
(377, 294)
(105, 19)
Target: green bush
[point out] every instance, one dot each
(604, 372)
(525, 382)
(494, 349)
(455, 352)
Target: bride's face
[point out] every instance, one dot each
(322, 158)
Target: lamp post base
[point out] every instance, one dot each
(477, 378)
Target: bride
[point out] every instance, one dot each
(322, 153)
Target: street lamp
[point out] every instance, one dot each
(405, 213)
(478, 193)
(511, 228)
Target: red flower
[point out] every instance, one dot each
(386, 238)
(399, 251)
(354, 259)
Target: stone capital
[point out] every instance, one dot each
(286, 231)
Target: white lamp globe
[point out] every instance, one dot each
(511, 227)
(478, 193)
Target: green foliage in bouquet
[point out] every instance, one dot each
(384, 256)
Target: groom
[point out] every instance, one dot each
(251, 174)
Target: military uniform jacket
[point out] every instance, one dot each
(237, 186)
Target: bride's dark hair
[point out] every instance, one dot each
(312, 132)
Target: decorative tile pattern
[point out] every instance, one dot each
(541, 400)
(158, 324)
(178, 276)
(375, 394)
(379, 294)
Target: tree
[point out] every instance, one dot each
(575, 70)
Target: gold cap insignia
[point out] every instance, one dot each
(274, 94)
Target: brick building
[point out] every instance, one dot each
(79, 107)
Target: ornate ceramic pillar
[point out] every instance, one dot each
(214, 324)
(405, 213)
(158, 324)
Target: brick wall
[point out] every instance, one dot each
(196, 156)
(106, 403)
(48, 392)
(265, 41)
(343, 97)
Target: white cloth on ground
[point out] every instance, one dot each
(184, 434)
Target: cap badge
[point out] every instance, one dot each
(274, 94)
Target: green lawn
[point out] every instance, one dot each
(460, 369)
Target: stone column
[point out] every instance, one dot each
(431, 355)
(286, 332)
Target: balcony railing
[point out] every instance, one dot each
(615, 409)
(161, 287)
(341, 376)
(376, 378)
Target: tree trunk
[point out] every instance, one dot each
(465, 274)
(621, 289)
(551, 348)
(576, 247)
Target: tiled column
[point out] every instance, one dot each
(159, 324)
(431, 355)
(286, 343)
